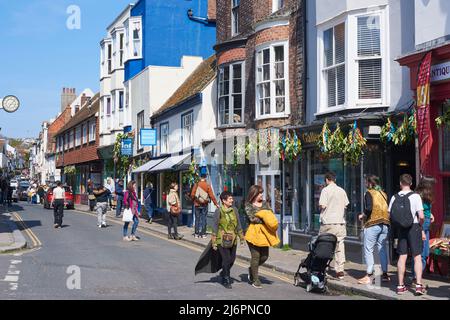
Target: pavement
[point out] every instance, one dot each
(11, 239)
(83, 262)
(287, 262)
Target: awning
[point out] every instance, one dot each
(173, 163)
(149, 165)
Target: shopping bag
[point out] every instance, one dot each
(127, 215)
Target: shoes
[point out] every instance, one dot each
(178, 237)
(257, 284)
(366, 280)
(127, 239)
(385, 278)
(150, 221)
(402, 289)
(227, 282)
(56, 226)
(420, 290)
(100, 226)
(134, 238)
(104, 225)
(196, 236)
(204, 236)
(170, 237)
(340, 275)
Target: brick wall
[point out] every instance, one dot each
(53, 128)
(82, 154)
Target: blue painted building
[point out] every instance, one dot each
(168, 33)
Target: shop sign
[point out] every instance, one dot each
(148, 137)
(440, 72)
(310, 137)
(127, 147)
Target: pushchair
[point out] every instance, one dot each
(312, 269)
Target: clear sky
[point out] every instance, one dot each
(39, 56)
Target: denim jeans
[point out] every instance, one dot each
(119, 205)
(149, 210)
(133, 229)
(426, 245)
(200, 220)
(376, 236)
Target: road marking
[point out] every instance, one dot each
(27, 230)
(11, 279)
(195, 248)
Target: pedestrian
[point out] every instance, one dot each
(148, 201)
(202, 195)
(406, 213)
(101, 198)
(333, 202)
(59, 198)
(173, 212)
(110, 186)
(226, 228)
(2, 186)
(91, 196)
(131, 202)
(10, 193)
(41, 194)
(119, 198)
(261, 233)
(376, 228)
(426, 191)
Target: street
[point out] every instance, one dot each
(153, 268)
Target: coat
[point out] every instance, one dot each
(210, 261)
(265, 234)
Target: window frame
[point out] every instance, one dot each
(271, 46)
(84, 133)
(109, 57)
(92, 131)
(121, 49)
(230, 94)
(183, 129)
(161, 142)
(235, 17)
(78, 136)
(277, 5)
(352, 100)
(133, 42)
(121, 97)
(140, 124)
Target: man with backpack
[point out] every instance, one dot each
(406, 214)
(202, 195)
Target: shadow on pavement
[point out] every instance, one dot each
(29, 224)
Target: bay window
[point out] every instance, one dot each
(231, 97)
(271, 79)
(187, 125)
(164, 134)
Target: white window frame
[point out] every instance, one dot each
(140, 125)
(164, 141)
(78, 136)
(92, 129)
(121, 49)
(108, 104)
(109, 58)
(230, 94)
(132, 43)
(235, 17)
(277, 5)
(184, 130)
(84, 133)
(121, 102)
(352, 100)
(273, 113)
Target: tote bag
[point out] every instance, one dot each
(127, 215)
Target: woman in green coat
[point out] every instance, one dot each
(226, 229)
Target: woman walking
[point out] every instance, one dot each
(226, 229)
(174, 211)
(261, 233)
(131, 202)
(426, 191)
(376, 228)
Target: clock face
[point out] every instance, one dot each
(10, 104)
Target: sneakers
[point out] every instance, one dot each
(402, 289)
(150, 221)
(127, 239)
(134, 238)
(257, 284)
(204, 236)
(56, 226)
(420, 290)
(385, 278)
(196, 236)
(104, 225)
(340, 275)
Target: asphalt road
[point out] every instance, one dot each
(108, 268)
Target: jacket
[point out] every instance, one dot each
(205, 186)
(101, 195)
(376, 208)
(220, 224)
(148, 196)
(172, 199)
(119, 190)
(131, 201)
(264, 234)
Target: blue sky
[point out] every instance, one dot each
(39, 56)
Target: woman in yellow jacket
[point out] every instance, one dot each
(261, 233)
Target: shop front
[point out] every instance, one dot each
(78, 180)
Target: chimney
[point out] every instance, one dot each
(84, 100)
(67, 97)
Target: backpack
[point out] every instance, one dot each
(401, 211)
(201, 195)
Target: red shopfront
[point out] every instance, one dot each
(437, 162)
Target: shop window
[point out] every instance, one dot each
(447, 199)
(446, 149)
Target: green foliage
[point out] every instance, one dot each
(192, 175)
(337, 141)
(387, 131)
(70, 170)
(123, 163)
(406, 132)
(444, 120)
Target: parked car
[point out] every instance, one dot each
(69, 203)
(14, 183)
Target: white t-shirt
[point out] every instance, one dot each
(59, 193)
(335, 201)
(415, 201)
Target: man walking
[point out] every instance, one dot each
(59, 198)
(119, 198)
(110, 187)
(148, 201)
(406, 211)
(333, 202)
(101, 197)
(202, 195)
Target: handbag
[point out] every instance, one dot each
(175, 210)
(228, 240)
(127, 215)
